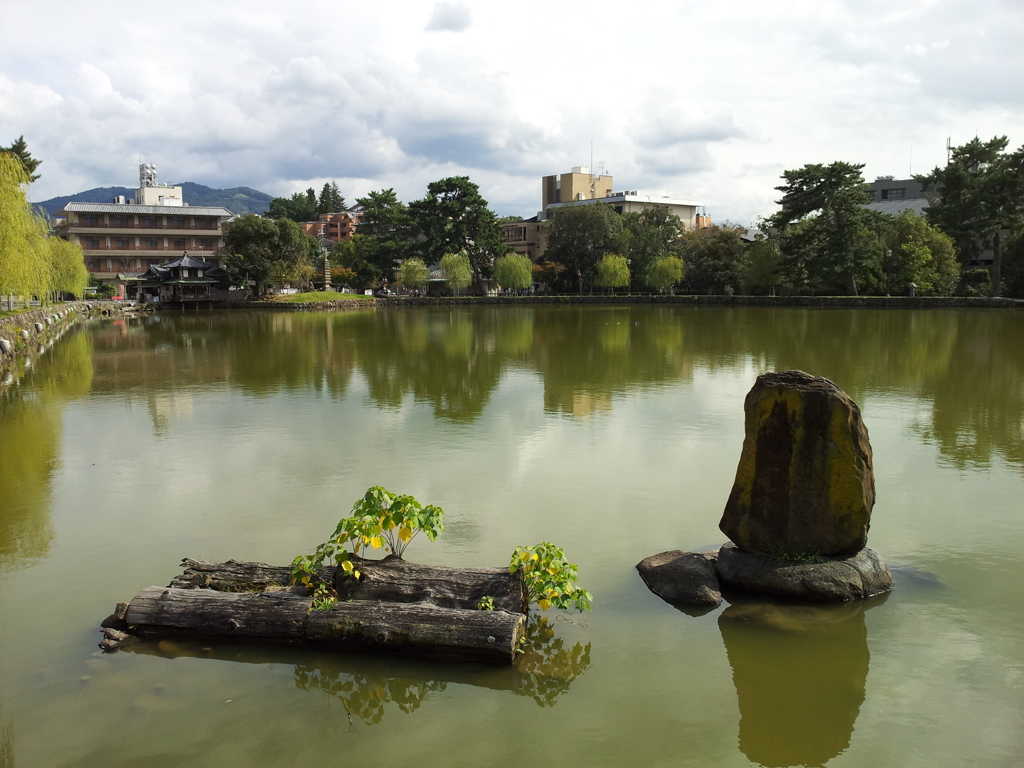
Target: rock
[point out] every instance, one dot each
(829, 579)
(805, 483)
(682, 577)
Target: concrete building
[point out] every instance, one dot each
(891, 195)
(127, 237)
(330, 228)
(580, 187)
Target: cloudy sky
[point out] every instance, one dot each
(708, 101)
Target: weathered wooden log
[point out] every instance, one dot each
(272, 616)
(391, 580)
(414, 629)
(419, 629)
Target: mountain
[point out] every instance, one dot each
(238, 200)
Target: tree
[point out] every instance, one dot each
(579, 235)
(665, 272)
(824, 234)
(330, 200)
(514, 271)
(24, 256)
(759, 270)
(67, 267)
(1013, 268)
(713, 257)
(648, 235)
(612, 271)
(917, 253)
(456, 270)
(19, 149)
(413, 273)
(978, 197)
(299, 207)
(453, 217)
(387, 230)
(266, 251)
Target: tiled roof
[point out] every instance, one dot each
(165, 210)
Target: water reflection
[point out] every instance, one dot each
(29, 450)
(6, 741)
(800, 673)
(965, 366)
(366, 684)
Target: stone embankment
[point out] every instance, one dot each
(22, 335)
(307, 306)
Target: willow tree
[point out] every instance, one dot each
(513, 270)
(612, 271)
(23, 253)
(665, 273)
(457, 270)
(67, 267)
(413, 273)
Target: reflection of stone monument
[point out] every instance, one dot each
(800, 673)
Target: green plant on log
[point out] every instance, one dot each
(486, 603)
(379, 520)
(549, 579)
(324, 598)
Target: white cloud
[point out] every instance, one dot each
(703, 101)
(450, 17)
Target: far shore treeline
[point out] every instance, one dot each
(822, 241)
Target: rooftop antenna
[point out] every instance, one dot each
(911, 160)
(949, 149)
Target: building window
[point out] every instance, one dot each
(894, 194)
(92, 242)
(121, 221)
(122, 243)
(206, 242)
(150, 222)
(179, 242)
(151, 244)
(91, 220)
(177, 222)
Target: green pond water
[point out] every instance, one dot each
(613, 432)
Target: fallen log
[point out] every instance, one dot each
(390, 580)
(418, 629)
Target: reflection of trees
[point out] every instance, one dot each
(586, 355)
(800, 673)
(365, 696)
(451, 360)
(30, 425)
(546, 667)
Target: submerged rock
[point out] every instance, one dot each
(805, 482)
(825, 579)
(682, 577)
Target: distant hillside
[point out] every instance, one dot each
(237, 200)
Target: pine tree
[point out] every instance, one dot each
(20, 150)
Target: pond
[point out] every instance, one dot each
(613, 432)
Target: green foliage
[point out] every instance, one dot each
(647, 236)
(106, 291)
(612, 271)
(486, 603)
(324, 598)
(379, 520)
(825, 235)
(977, 194)
(514, 271)
(1013, 268)
(330, 200)
(301, 206)
(665, 272)
(265, 250)
(19, 149)
(456, 270)
(713, 257)
(976, 282)
(549, 578)
(759, 271)
(917, 252)
(413, 273)
(579, 235)
(453, 217)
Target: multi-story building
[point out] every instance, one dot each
(127, 237)
(581, 187)
(332, 227)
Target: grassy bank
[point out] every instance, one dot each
(317, 296)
